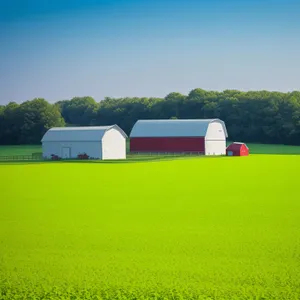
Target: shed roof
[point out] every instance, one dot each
(170, 128)
(78, 134)
(236, 146)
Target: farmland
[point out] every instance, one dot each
(19, 150)
(254, 148)
(195, 228)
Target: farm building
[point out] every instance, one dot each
(237, 149)
(100, 142)
(206, 136)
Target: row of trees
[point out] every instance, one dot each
(26, 123)
(255, 116)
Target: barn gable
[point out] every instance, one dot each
(216, 130)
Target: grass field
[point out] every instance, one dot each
(196, 228)
(254, 149)
(19, 150)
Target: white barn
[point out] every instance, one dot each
(99, 142)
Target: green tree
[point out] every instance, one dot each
(79, 111)
(37, 117)
(254, 116)
(10, 124)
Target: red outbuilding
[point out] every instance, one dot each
(237, 149)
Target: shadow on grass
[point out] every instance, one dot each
(153, 158)
(129, 160)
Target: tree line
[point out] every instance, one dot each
(254, 116)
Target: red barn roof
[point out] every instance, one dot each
(236, 146)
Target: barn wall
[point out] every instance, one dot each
(51, 148)
(167, 144)
(215, 131)
(244, 151)
(93, 149)
(215, 139)
(215, 147)
(114, 145)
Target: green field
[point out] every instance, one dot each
(19, 150)
(194, 228)
(254, 149)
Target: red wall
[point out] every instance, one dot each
(167, 144)
(244, 151)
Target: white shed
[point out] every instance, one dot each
(99, 142)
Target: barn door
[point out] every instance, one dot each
(230, 153)
(66, 152)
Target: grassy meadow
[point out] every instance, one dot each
(254, 149)
(19, 150)
(191, 228)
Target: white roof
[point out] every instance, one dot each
(169, 128)
(79, 134)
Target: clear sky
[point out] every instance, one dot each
(58, 49)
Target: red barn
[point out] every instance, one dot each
(178, 136)
(237, 149)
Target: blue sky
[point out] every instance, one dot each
(58, 49)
